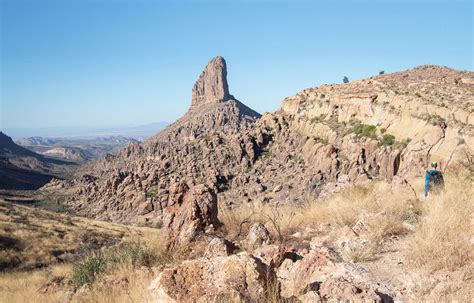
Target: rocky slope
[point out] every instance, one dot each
(319, 141)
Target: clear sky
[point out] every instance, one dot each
(105, 62)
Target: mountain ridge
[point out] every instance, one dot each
(318, 142)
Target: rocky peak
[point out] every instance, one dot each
(212, 87)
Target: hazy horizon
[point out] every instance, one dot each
(100, 63)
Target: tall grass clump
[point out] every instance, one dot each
(86, 271)
(126, 256)
(443, 239)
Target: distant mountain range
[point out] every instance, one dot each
(140, 132)
(75, 148)
(21, 168)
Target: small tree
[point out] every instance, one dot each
(381, 72)
(345, 79)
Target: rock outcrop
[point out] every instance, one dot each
(189, 213)
(239, 276)
(271, 273)
(212, 87)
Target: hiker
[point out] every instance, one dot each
(434, 181)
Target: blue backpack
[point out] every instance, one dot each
(435, 181)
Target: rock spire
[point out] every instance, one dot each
(212, 87)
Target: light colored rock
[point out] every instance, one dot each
(219, 247)
(258, 235)
(203, 280)
(323, 271)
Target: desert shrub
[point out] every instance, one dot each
(134, 253)
(318, 119)
(433, 119)
(266, 152)
(387, 140)
(365, 130)
(323, 141)
(345, 79)
(86, 271)
(381, 72)
(402, 144)
(150, 194)
(129, 255)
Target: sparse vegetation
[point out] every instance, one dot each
(323, 141)
(381, 72)
(151, 193)
(318, 119)
(433, 119)
(365, 130)
(345, 79)
(387, 140)
(88, 270)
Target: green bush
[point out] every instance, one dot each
(345, 79)
(387, 140)
(381, 72)
(365, 130)
(86, 271)
(323, 141)
(150, 194)
(133, 253)
(318, 119)
(402, 144)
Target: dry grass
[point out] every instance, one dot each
(443, 239)
(32, 238)
(24, 287)
(376, 212)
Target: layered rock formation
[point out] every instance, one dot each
(318, 142)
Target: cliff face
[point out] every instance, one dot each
(318, 142)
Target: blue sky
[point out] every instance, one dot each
(107, 63)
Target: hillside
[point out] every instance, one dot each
(319, 142)
(21, 168)
(39, 250)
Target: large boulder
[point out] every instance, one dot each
(192, 212)
(239, 276)
(321, 275)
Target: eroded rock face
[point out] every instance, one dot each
(212, 87)
(203, 280)
(191, 212)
